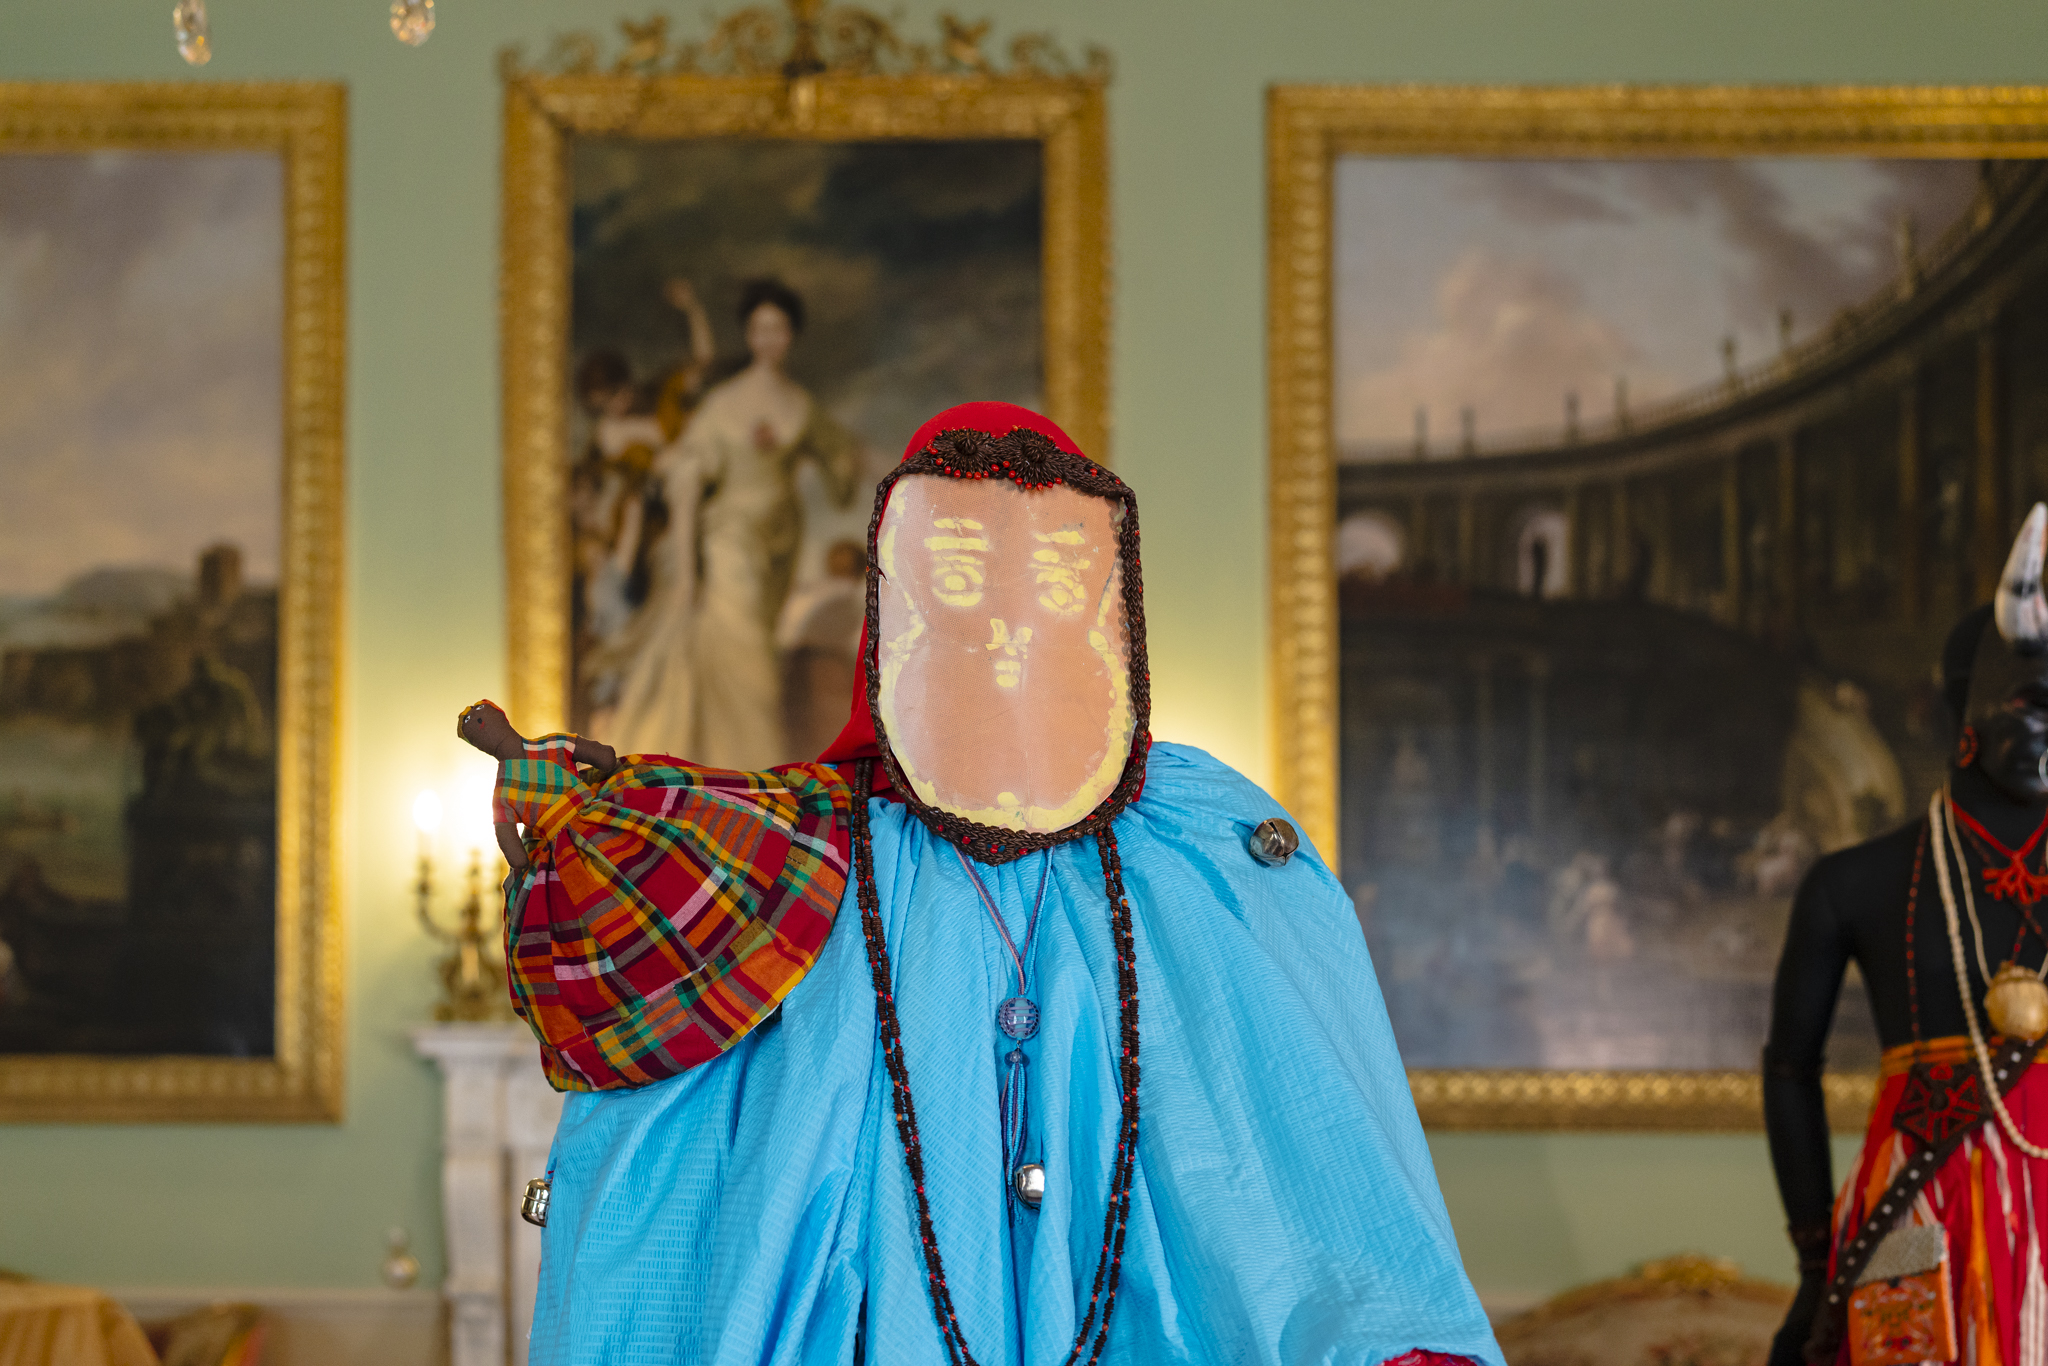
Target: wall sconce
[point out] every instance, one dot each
(472, 978)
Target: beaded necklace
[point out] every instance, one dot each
(1030, 461)
(2027, 922)
(1912, 945)
(2014, 881)
(1117, 1211)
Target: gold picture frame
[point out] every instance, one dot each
(1307, 129)
(813, 74)
(306, 124)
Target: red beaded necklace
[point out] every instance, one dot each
(2014, 881)
(2008, 883)
(1030, 461)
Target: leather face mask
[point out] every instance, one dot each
(1002, 654)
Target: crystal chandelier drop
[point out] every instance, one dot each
(412, 21)
(189, 27)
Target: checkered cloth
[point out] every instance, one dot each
(669, 909)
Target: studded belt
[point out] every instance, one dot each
(2009, 1062)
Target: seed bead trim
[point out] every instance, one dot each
(1912, 943)
(1030, 461)
(1094, 1331)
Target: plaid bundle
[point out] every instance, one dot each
(669, 909)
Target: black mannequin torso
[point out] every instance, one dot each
(1852, 906)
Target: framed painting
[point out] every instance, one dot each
(171, 295)
(1632, 451)
(738, 274)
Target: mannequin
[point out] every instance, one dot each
(1857, 905)
(1064, 1073)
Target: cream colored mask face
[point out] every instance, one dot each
(1005, 672)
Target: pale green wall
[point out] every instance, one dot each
(306, 1206)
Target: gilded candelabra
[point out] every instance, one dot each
(473, 973)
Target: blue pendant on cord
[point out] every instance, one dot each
(1018, 1017)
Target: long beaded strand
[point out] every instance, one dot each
(1912, 943)
(1116, 1215)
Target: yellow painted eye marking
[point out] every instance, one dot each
(958, 570)
(1059, 575)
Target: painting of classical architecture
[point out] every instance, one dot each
(1660, 485)
(757, 328)
(141, 435)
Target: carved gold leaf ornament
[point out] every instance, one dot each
(805, 71)
(1687, 1276)
(1307, 129)
(809, 38)
(306, 124)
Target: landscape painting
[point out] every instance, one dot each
(141, 455)
(757, 328)
(1658, 485)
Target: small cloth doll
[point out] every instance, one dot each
(485, 726)
(656, 911)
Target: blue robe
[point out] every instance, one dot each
(1284, 1208)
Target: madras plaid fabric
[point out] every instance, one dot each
(669, 909)
(548, 772)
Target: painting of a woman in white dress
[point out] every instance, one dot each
(756, 328)
(705, 677)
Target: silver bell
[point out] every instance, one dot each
(1029, 1181)
(1274, 842)
(534, 1208)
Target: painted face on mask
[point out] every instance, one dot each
(1004, 665)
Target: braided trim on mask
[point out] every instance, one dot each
(1030, 461)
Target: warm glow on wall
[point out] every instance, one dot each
(426, 813)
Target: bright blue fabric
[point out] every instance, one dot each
(1284, 1208)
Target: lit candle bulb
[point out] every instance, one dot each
(426, 816)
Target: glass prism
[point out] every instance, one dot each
(412, 21)
(189, 27)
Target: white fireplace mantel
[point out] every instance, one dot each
(497, 1122)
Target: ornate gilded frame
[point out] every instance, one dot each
(835, 74)
(306, 124)
(1307, 128)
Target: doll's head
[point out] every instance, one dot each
(485, 725)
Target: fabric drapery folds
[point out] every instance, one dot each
(1989, 1204)
(669, 908)
(937, 1155)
